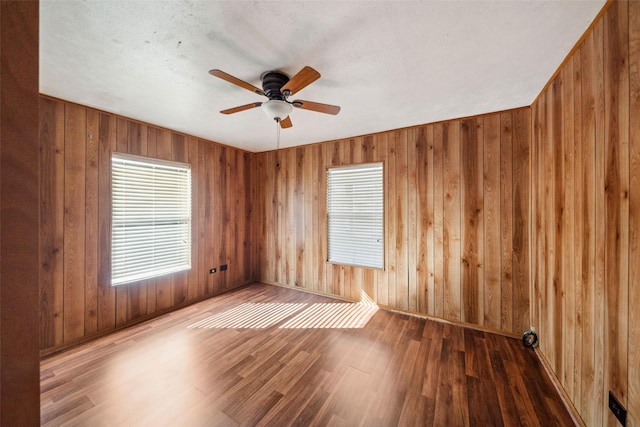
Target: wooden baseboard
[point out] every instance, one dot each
(395, 310)
(577, 419)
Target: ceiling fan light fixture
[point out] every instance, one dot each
(276, 109)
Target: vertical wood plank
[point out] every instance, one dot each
(549, 257)
(310, 188)
(271, 203)
(401, 221)
(232, 240)
(380, 154)
(106, 293)
(422, 221)
(584, 248)
(299, 217)
(479, 219)
(591, 63)
(472, 221)
(412, 238)
(193, 289)
(218, 217)
(633, 401)
(261, 184)
(312, 184)
(521, 143)
(235, 241)
(569, 240)
(278, 220)
(492, 222)
(91, 223)
(506, 222)
(452, 218)
(438, 218)
(535, 214)
(222, 215)
(430, 222)
(600, 228)
(321, 232)
(245, 228)
(52, 120)
(74, 221)
(540, 215)
(390, 221)
(255, 214)
(209, 217)
(557, 284)
(579, 222)
(290, 217)
(616, 88)
(356, 285)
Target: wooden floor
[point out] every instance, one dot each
(265, 355)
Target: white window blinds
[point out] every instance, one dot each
(355, 211)
(151, 218)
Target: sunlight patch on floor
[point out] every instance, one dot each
(250, 315)
(300, 315)
(332, 315)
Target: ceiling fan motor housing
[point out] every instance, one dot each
(272, 82)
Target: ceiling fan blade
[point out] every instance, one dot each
(241, 108)
(236, 81)
(304, 78)
(286, 122)
(316, 106)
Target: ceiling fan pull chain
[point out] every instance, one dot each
(277, 143)
(277, 135)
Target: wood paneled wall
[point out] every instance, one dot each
(77, 301)
(456, 219)
(586, 209)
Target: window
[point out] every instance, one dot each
(355, 212)
(150, 218)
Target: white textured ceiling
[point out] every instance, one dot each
(388, 64)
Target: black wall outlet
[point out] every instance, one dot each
(212, 270)
(223, 267)
(618, 410)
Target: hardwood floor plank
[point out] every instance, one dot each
(396, 370)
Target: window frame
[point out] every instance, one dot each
(150, 162)
(383, 215)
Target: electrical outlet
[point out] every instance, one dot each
(212, 270)
(223, 267)
(618, 410)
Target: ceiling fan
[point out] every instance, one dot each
(277, 86)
